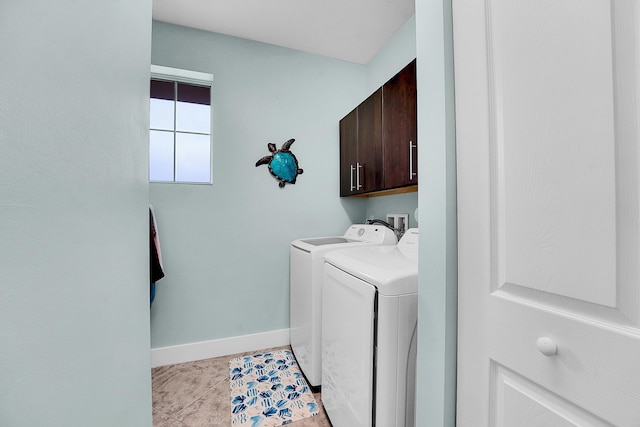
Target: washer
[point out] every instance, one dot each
(369, 322)
(307, 259)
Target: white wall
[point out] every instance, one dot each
(74, 313)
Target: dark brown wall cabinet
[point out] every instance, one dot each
(361, 154)
(378, 140)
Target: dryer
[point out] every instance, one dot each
(369, 325)
(307, 259)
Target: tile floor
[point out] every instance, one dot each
(196, 394)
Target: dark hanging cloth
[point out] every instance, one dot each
(155, 258)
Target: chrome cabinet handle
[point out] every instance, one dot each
(351, 177)
(411, 172)
(358, 166)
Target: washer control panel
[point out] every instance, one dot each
(371, 233)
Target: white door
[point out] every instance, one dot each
(547, 128)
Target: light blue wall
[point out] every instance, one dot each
(397, 52)
(226, 246)
(74, 309)
(379, 207)
(437, 289)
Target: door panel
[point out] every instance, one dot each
(560, 157)
(548, 211)
(554, 145)
(521, 402)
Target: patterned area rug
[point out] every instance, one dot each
(268, 389)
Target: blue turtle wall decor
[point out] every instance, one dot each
(283, 165)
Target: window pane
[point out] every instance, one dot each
(180, 130)
(162, 89)
(161, 114)
(193, 154)
(194, 94)
(193, 117)
(160, 156)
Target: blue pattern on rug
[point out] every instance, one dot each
(268, 390)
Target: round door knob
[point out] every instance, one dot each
(547, 346)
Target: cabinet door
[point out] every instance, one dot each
(370, 155)
(348, 153)
(400, 129)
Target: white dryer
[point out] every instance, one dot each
(307, 259)
(369, 322)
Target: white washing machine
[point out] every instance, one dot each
(369, 325)
(307, 259)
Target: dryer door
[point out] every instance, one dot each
(347, 348)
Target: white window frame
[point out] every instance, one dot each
(160, 72)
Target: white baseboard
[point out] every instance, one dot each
(222, 347)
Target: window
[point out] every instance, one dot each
(180, 126)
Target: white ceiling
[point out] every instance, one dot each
(351, 30)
